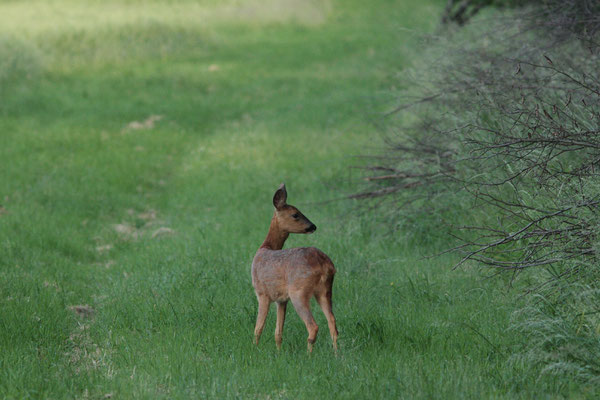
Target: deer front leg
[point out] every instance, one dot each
(302, 305)
(281, 307)
(263, 310)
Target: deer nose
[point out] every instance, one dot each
(311, 228)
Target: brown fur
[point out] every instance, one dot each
(295, 274)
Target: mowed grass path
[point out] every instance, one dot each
(151, 226)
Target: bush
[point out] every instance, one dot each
(511, 127)
(501, 143)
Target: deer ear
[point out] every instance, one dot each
(280, 197)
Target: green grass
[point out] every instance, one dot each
(250, 94)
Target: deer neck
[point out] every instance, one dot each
(276, 236)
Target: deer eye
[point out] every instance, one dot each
(296, 216)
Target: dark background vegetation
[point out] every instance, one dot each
(499, 144)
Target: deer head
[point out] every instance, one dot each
(289, 218)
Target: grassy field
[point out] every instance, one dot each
(141, 144)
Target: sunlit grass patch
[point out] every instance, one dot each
(73, 34)
(53, 16)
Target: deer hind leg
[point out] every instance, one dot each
(324, 300)
(281, 307)
(301, 303)
(263, 310)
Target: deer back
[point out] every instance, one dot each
(276, 273)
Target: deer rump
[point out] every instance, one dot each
(277, 273)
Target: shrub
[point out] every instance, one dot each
(508, 126)
(499, 138)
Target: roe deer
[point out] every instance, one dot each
(295, 274)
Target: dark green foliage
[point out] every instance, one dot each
(462, 11)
